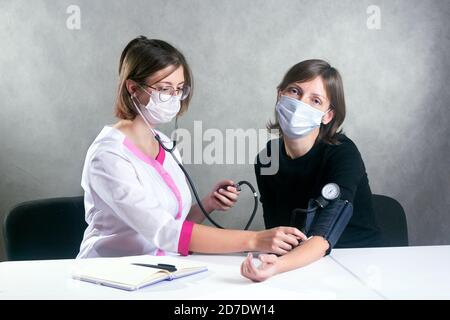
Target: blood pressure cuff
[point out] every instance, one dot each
(328, 222)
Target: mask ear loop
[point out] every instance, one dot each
(330, 108)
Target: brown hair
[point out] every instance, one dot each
(308, 70)
(140, 59)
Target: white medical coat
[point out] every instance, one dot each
(134, 204)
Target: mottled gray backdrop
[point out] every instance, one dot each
(57, 88)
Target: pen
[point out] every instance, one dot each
(168, 267)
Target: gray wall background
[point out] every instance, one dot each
(57, 88)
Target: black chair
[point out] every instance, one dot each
(391, 219)
(45, 229)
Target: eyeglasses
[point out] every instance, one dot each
(167, 92)
(297, 93)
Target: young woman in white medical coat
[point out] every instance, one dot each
(137, 200)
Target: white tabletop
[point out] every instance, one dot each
(51, 279)
(400, 273)
(378, 273)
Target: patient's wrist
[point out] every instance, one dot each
(252, 242)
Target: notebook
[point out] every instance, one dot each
(135, 272)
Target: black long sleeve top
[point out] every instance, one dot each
(301, 179)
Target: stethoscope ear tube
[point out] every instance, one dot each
(197, 198)
(170, 150)
(255, 206)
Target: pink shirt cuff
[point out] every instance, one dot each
(185, 237)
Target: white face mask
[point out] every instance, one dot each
(297, 119)
(157, 111)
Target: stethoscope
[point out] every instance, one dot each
(191, 184)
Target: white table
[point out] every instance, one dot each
(51, 279)
(400, 273)
(414, 272)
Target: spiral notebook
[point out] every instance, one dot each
(135, 272)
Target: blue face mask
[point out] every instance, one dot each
(297, 119)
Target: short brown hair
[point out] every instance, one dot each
(308, 70)
(140, 59)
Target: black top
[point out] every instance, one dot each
(298, 180)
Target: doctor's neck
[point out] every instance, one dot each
(142, 125)
(139, 128)
(296, 148)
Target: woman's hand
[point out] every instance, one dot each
(265, 270)
(279, 240)
(222, 199)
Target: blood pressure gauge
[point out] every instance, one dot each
(331, 191)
